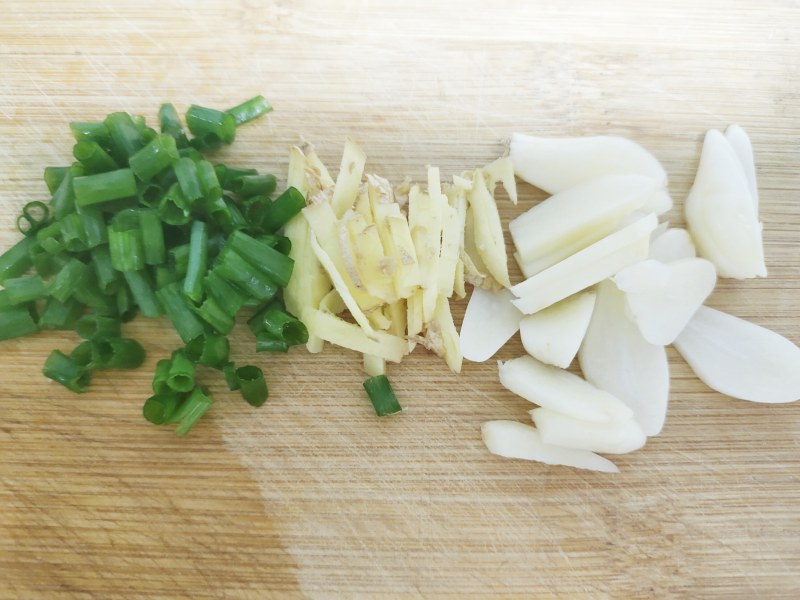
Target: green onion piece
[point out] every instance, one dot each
(126, 136)
(67, 372)
(84, 355)
(71, 277)
(198, 259)
(171, 124)
(127, 249)
(142, 291)
(161, 375)
(281, 211)
(17, 259)
(46, 264)
(73, 237)
(89, 294)
(215, 316)
(108, 278)
(84, 131)
(268, 260)
(4, 302)
(179, 259)
(103, 187)
(280, 325)
(228, 297)
(60, 315)
(177, 308)
(234, 268)
(93, 158)
(266, 342)
(211, 125)
(150, 193)
(281, 243)
(164, 276)
(126, 309)
(254, 185)
(219, 212)
(49, 238)
(188, 179)
(63, 200)
(209, 350)
(34, 216)
(93, 226)
(249, 110)
(156, 156)
(229, 372)
(53, 176)
(238, 220)
(175, 209)
(191, 410)
(159, 408)
(118, 353)
(181, 373)
(16, 322)
(190, 152)
(209, 184)
(21, 290)
(227, 176)
(152, 232)
(382, 395)
(253, 385)
(97, 326)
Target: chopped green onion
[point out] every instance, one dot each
(127, 248)
(228, 175)
(382, 395)
(126, 309)
(281, 211)
(279, 324)
(73, 237)
(49, 238)
(209, 183)
(266, 342)
(228, 297)
(34, 216)
(152, 232)
(89, 294)
(281, 243)
(93, 226)
(84, 355)
(46, 264)
(191, 410)
(103, 187)
(212, 313)
(16, 322)
(90, 132)
(67, 372)
(181, 372)
(254, 185)
(234, 268)
(188, 179)
(179, 259)
(159, 409)
(171, 124)
(63, 200)
(249, 110)
(209, 350)
(53, 176)
(161, 375)
(177, 308)
(175, 209)
(97, 326)
(16, 260)
(253, 385)
(108, 278)
(156, 156)
(229, 372)
(93, 158)
(117, 353)
(142, 291)
(71, 277)
(126, 136)
(60, 315)
(165, 276)
(21, 290)
(266, 259)
(211, 126)
(198, 257)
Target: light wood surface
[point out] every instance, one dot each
(312, 496)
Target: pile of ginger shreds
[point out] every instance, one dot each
(391, 258)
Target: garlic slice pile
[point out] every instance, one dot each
(606, 280)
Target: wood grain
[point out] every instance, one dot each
(311, 495)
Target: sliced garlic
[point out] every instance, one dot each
(662, 297)
(739, 358)
(489, 322)
(586, 268)
(610, 437)
(517, 440)
(615, 357)
(560, 390)
(557, 164)
(740, 142)
(721, 213)
(553, 335)
(671, 245)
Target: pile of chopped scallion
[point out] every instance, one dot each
(143, 222)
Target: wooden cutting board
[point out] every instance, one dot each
(312, 495)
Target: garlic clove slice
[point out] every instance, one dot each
(740, 142)
(671, 245)
(612, 437)
(489, 322)
(517, 440)
(739, 358)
